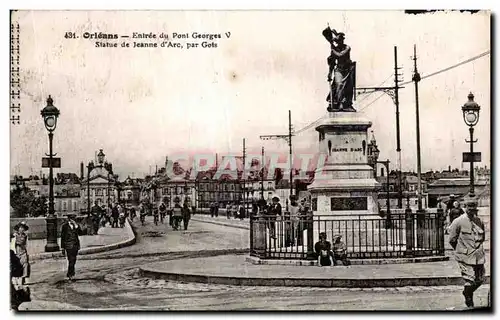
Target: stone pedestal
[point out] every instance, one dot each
(344, 187)
(345, 184)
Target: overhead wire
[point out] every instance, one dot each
(321, 118)
(307, 127)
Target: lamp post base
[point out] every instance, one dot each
(51, 245)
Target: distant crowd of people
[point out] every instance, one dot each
(177, 214)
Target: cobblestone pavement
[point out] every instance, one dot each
(128, 291)
(105, 284)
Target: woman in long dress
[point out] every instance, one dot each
(21, 249)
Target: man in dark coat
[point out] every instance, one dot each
(115, 214)
(186, 215)
(274, 211)
(96, 213)
(70, 243)
(17, 296)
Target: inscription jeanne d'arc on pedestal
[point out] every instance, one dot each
(347, 149)
(343, 70)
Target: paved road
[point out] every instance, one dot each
(115, 284)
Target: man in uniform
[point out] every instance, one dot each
(466, 238)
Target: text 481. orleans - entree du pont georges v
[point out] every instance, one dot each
(207, 38)
(148, 35)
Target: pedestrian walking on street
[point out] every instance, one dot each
(163, 211)
(466, 238)
(186, 215)
(170, 216)
(132, 214)
(156, 216)
(95, 216)
(177, 214)
(122, 219)
(212, 209)
(216, 209)
(142, 213)
(114, 215)
(70, 243)
(228, 210)
(21, 249)
(241, 211)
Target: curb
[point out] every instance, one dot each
(196, 253)
(287, 282)
(86, 251)
(354, 262)
(222, 224)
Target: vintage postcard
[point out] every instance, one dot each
(250, 160)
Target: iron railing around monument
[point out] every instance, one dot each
(401, 235)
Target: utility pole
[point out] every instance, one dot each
(290, 145)
(244, 180)
(398, 136)
(393, 92)
(416, 80)
(287, 138)
(262, 166)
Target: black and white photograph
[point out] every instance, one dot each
(250, 160)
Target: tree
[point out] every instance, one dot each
(40, 206)
(25, 203)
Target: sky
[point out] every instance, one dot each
(142, 104)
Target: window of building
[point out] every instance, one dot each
(64, 206)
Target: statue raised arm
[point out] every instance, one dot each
(342, 68)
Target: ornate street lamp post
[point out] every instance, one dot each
(50, 114)
(388, 199)
(470, 112)
(90, 167)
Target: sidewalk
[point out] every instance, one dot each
(223, 221)
(234, 270)
(106, 239)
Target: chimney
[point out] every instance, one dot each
(381, 172)
(449, 168)
(81, 171)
